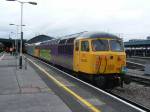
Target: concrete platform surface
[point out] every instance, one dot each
(24, 90)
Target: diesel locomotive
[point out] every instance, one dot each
(99, 56)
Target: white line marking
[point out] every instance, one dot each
(140, 57)
(133, 106)
(136, 63)
(2, 57)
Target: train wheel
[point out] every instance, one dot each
(100, 81)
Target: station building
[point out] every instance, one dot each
(1, 47)
(6, 44)
(138, 47)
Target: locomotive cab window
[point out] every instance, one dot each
(85, 46)
(100, 45)
(116, 45)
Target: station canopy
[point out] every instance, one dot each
(132, 43)
(39, 38)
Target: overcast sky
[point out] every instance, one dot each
(128, 18)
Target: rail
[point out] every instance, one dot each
(133, 65)
(140, 80)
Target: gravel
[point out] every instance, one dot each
(137, 93)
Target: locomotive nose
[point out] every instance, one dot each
(110, 63)
(116, 63)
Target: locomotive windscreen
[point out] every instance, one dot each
(116, 45)
(100, 45)
(106, 45)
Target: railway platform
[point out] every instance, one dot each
(24, 91)
(38, 88)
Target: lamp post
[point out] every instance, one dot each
(10, 38)
(21, 42)
(16, 40)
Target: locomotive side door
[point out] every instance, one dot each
(85, 56)
(76, 56)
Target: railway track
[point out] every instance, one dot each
(133, 65)
(131, 102)
(139, 57)
(140, 67)
(109, 93)
(140, 80)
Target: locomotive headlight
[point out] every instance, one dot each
(124, 70)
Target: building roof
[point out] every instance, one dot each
(137, 43)
(39, 38)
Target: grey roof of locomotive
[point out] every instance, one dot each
(97, 35)
(83, 35)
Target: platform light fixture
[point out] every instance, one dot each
(10, 0)
(33, 3)
(16, 40)
(21, 39)
(16, 25)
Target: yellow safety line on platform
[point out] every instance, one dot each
(85, 102)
